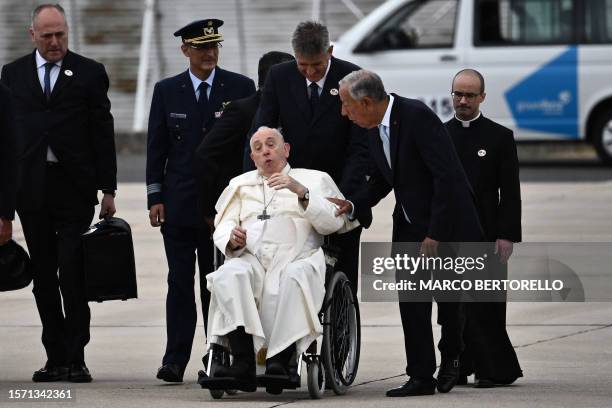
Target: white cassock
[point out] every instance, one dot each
(275, 286)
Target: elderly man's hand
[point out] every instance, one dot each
(344, 206)
(429, 247)
(238, 238)
(279, 181)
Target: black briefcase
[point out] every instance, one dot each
(15, 270)
(108, 256)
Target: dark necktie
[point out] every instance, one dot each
(314, 97)
(203, 98)
(47, 79)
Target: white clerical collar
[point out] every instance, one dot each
(285, 171)
(386, 120)
(40, 61)
(321, 81)
(467, 123)
(197, 81)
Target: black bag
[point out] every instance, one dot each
(108, 259)
(15, 271)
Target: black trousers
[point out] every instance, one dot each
(53, 235)
(181, 245)
(348, 261)
(416, 317)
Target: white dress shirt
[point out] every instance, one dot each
(197, 81)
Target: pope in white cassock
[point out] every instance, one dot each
(270, 225)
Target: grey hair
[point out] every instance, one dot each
(364, 83)
(274, 130)
(472, 72)
(310, 38)
(41, 7)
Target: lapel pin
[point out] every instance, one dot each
(68, 72)
(482, 153)
(333, 91)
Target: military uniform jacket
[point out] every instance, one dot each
(488, 153)
(324, 140)
(176, 128)
(76, 123)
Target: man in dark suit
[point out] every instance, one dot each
(67, 154)
(301, 98)
(8, 166)
(218, 158)
(415, 157)
(488, 154)
(183, 110)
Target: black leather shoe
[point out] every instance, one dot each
(171, 373)
(50, 373)
(79, 373)
(448, 375)
(484, 383)
(414, 386)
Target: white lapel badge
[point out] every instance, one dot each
(482, 153)
(68, 73)
(218, 114)
(333, 91)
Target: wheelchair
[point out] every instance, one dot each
(331, 360)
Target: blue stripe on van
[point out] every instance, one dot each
(547, 100)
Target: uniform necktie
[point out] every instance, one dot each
(314, 96)
(203, 98)
(47, 79)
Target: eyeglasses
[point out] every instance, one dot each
(467, 95)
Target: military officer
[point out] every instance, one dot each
(183, 109)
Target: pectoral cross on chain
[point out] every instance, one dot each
(263, 216)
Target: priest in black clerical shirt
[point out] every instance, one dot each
(488, 154)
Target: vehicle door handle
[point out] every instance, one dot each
(448, 58)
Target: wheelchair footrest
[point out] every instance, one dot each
(225, 383)
(286, 382)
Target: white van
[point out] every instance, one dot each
(547, 63)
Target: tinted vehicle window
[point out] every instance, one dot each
(420, 24)
(598, 22)
(523, 22)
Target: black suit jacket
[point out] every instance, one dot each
(8, 156)
(176, 128)
(488, 153)
(325, 141)
(218, 158)
(427, 177)
(76, 123)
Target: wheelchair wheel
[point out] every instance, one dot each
(316, 378)
(341, 334)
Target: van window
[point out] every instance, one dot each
(598, 22)
(523, 22)
(420, 24)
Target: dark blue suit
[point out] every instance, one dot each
(177, 125)
(431, 186)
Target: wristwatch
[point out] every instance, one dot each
(306, 196)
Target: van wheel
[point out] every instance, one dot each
(602, 136)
